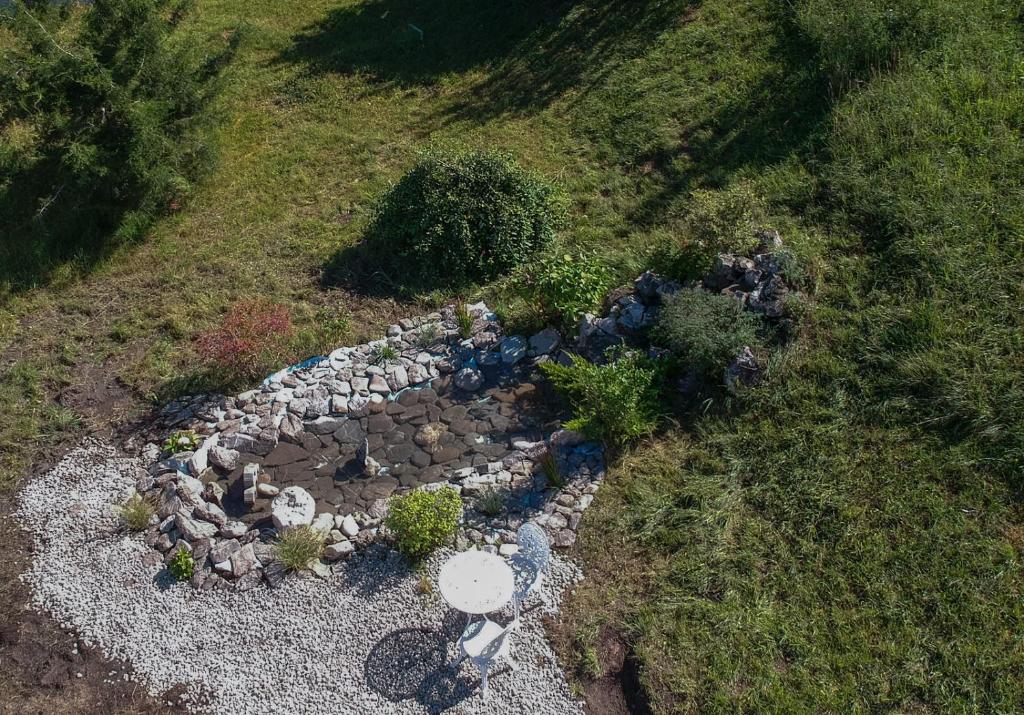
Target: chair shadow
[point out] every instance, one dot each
(414, 663)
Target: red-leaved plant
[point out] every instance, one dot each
(252, 336)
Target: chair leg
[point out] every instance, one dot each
(483, 680)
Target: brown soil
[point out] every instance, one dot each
(45, 670)
(617, 691)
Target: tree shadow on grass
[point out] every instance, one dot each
(530, 51)
(783, 117)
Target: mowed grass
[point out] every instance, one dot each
(845, 538)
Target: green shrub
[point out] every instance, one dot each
(724, 219)
(706, 330)
(564, 286)
(422, 521)
(137, 512)
(100, 130)
(614, 403)
(297, 546)
(182, 565)
(473, 215)
(184, 440)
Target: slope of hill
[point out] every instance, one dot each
(847, 536)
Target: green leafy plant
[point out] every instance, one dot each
(490, 502)
(706, 330)
(564, 285)
(475, 214)
(298, 546)
(185, 440)
(137, 512)
(464, 320)
(383, 354)
(614, 403)
(182, 565)
(422, 521)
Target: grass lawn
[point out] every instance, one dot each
(846, 537)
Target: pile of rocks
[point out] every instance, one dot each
(756, 281)
(325, 444)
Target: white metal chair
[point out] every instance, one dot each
(483, 642)
(533, 543)
(529, 563)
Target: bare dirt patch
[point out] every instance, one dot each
(45, 670)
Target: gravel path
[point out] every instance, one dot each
(362, 641)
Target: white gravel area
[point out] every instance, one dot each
(363, 641)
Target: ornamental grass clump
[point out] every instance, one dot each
(422, 521)
(298, 546)
(137, 512)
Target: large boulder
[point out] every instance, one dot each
(294, 506)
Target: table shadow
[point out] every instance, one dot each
(414, 663)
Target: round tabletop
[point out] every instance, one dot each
(476, 582)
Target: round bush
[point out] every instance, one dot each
(460, 218)
(707, 330)
(421, 521)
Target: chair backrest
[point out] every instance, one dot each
(533, 544)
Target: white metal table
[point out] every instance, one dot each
(476, 582)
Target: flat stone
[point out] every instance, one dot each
(513, 349)
(379, 424)
(285, 453)
(193, 529)
(339, 550)
(545, 342)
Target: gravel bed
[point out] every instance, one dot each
(364, 640)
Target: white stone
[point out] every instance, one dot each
(250, 475)
(339, 404)
(349, 527)
(294, 506)
(508, 549)
(324, 523)
(224, 458)
(267, 490)
(339, 550)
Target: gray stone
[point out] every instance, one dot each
(223, 458)
(243, 561)
(469, 379)
(513, 349)
(193, 529)
(223, 551)
(742, 372)
(233, 530)
(545, 342)
(339, 550)
(324, 425)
